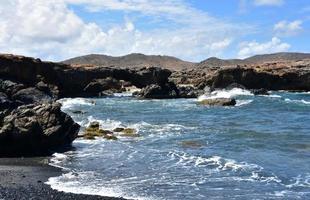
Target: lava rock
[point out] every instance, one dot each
(97, 86)
(189, 92)
(31, 95)
(5, 102)
(154, 91)
(36, 130)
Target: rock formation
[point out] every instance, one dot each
(36, 130)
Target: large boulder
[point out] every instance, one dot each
(36, 130)
(154, 91)
(97, 86)
(218, 102)
(189, 92)
(152, 75)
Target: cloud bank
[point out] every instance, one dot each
(51, 30)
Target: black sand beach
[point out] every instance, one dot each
(23, 178)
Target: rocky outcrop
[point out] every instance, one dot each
(36, 130)
(98, 86)
(62, 80)
(218, 102)
(189, 92)
(30, 96)
(253, 78)
(293, 75)
(165, 91)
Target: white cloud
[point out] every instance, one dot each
(268, 2)
(50, 30)
(252, 48)
(285, 28)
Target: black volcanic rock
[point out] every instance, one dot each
(274, 79)
(30, 96)
(96, 87)
(36, 130)
(165, 91)
(5, 102)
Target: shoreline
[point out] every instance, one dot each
(24, 178)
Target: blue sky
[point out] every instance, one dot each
(189, 29)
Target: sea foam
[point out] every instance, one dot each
(225, 94)
(81, 183)
(68, 103)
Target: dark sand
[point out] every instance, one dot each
(23, 178)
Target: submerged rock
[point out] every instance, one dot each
(218, 102)
(191, 144)
(36, 130)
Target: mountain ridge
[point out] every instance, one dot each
(173, 63)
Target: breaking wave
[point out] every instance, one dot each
(68, 103)
(225, 94)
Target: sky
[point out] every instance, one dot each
(191, 30)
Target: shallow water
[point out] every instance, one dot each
(259, 149)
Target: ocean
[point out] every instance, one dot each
(258, 149)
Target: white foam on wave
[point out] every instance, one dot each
(302, 101)
(107, 124)
(57, 159)
(81, 183)
(217, 163)
(243, 102)
(300, 181)
(70, 102)
(271, 96)
(123, 94)
(225, 94)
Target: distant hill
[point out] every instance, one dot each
(217, 62)
(282, 56)
(172, 63)
(131, 60)
(257, 59)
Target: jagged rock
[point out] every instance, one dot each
(30, 96)
(10, 87)
(5, 102)
(189, 92)
(153, 91)
(218, 102)
(97, 86)
(36, 130)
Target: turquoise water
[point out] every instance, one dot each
(259, 149)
